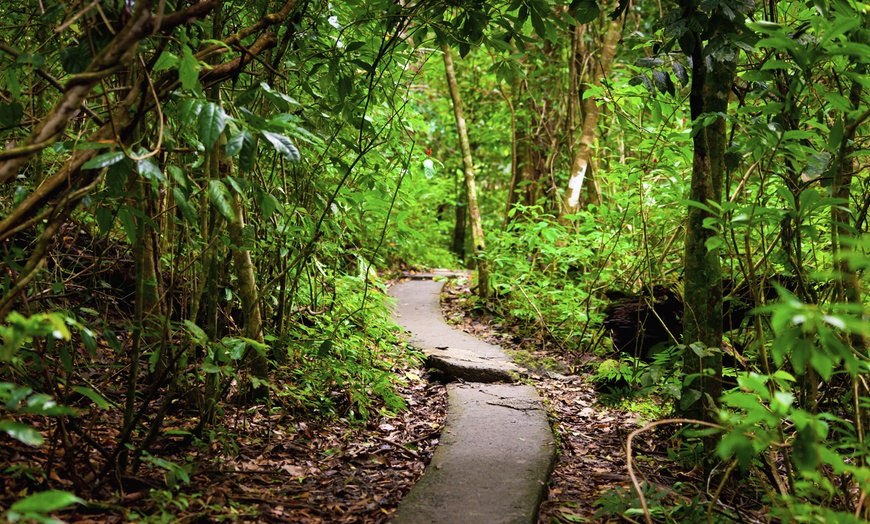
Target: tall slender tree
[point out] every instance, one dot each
(468, 167)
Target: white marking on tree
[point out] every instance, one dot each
(575, 185)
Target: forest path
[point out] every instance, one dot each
(497, 448)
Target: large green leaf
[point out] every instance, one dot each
(196, 333)
(585, 11)
(248, 152)
(151, 171)
(104, 160)
(128, 222)
(211, 123)
(45, 502)
(283, 145)
(21, 432)
(234, 143)
(10, 114)
(187, 210)
(188, 70)
(220, 197)
(95, 397)
(76, 59)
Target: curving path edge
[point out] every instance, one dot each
(497, 449)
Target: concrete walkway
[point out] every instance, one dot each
(497, 449)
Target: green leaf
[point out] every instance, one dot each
(196, 333)
(95, 397)
(117, 176)
(187, 210)
(151, 171)
(823, 363)
(128, 222)
(166, 60)
(43, 404)
(105, 219)
(283, 145)
(585, 11)
(235, 348)
(76, 59)
(736, 444)
(179, 176)
(12, 83)
(189, 108)
(10, 114)
(776, 64)
(234, 143)
(45, 502)
(188, 70)
(220, 197)
(210, 368)
(104, 160)
(248, 153)
(268, 203)
(689, 398)
(211, 123)
(714, 243)
(22, 432)
(538, 24)
(806, 456)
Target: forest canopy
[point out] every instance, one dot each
(202, 203)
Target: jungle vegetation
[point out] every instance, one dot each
(202, 201)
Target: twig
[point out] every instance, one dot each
(541, 319)
(719, 491)
(398, 445)
(628, 449)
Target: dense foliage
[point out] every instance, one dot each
(200, 201)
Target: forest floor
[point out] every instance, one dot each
(590, 436)
(275, 466)
(267, 468)
(590, 480)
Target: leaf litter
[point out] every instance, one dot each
(590, 480)
(268, 468)
(291, 468)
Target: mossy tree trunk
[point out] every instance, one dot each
(702, 294)
(468, 168)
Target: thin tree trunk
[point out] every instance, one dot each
(581, 172)
(468, 165)
(702, 323)
(460, 226)
(512, 185)
(248, 292)
(848, 285)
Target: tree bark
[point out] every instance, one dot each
(581, 172)
(702, 294)
(468, 167)
(248, 292)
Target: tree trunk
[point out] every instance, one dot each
(248, 292)
(468, 167)
(581, 172)
(848, 284)
(459, 227)
(702, 325)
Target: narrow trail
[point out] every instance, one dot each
(497, 448)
